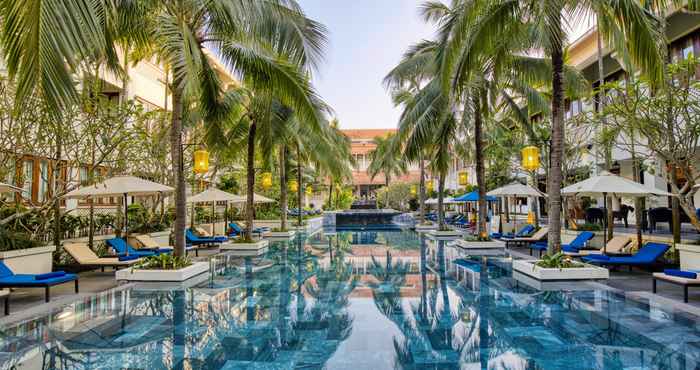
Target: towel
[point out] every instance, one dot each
(681, 273)
(130, 257)
(49, 275)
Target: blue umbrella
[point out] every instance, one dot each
(474, 197)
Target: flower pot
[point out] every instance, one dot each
(588, 272)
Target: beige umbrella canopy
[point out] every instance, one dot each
(7, 188)
(215, 195)
(516, 189)
(120, 186)
(257, 198)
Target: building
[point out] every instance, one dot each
(362, 144)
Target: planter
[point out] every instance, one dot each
(37, 260)
(135, 274)
(689, 256)
(444, 235)
(479, 245)
(430, 227)
(282, 235)
(246, 252)
(254, 246)
(588, 272)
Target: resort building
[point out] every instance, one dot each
(362, 145)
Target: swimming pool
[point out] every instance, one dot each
(356, 300)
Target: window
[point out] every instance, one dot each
(27, 178)
(42, 194)
(83, 175)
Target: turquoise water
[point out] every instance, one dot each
(356, 300)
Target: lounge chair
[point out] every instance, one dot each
(616, 245)
(523, 232)
(235, 230)
(9, 279)
(538, 236)
(196, 240)
(685, 279)
(578, 243)
(121, 247)
(82, 254)
(646, 256)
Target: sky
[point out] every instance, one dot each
(366, 39)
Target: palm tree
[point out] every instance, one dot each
(270, 43)
(386, 159)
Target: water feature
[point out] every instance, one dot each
(359, 299)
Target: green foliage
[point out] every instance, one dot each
(342, 198)
(165, 261)
(229, 183)
(557, 260)
(589, 227)
(143, 221)
(12, 240)
(394, 196)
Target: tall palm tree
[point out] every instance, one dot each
(269, 43)
(386, 159)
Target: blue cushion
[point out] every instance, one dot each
(49, 275)
(569, 248)
(4, 270)
(540, 246)
(681, 273)
(130, 257)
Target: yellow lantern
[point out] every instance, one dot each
(429, 186)
(531, 158)
(293, 186)
(201, 161)
(531, 218)
(266, 181)
(463, 178)
(309, 190)
(414, 190)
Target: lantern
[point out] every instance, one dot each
(414, 190)
(531, 218)
(266, 181)
(463, 178)
(293, 186)
(531, 158)
(309, 190)
(201, 161)
(429, 186)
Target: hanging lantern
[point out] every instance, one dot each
(293, 186)
(531, 218)
(309, 190)
(414, 190)
(266, 180)
(531, 158)
(429, 186)
(201, 161)
(463, 178)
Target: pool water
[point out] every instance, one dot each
(356, 300)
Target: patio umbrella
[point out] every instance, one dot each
(214, 195)
(609, 184)
(120, 186)
(7, 188)
(474, 197)
(516, 189)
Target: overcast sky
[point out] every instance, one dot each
(367, 39)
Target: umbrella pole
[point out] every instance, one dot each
(126, 222)
(605, 232)
(226, 219)
(192, 218)
(213, 218)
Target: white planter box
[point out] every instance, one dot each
(430, 227)
(134, 274)
(246, 252)
(689, 255)
(444, 235)
(589, 272)
(256, 245)
(479, 245)
(282, 235)
(37, 260)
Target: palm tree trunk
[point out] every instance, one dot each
(441, 207)
(178, 170)
(330, 194)
(283, 187)
(300, 216)
(421, 196)
(56, 189)
(478, 145)
(557, 144)
(250, 181)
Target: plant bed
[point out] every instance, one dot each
(479, 244)
(281, 235)
(244, 245)
(426, 227)
(444, 234)
(582, 271)
(246, 252)
(181, 274)
(37, 260)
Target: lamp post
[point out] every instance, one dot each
(531, 163)
(200, 165)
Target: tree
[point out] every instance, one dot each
(386, 159)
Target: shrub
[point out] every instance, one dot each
(163, 262)
(557, 260)
(590, 227)
(13, 240)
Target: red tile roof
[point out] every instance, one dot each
(368, 134)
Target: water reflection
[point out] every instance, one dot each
(358, 299)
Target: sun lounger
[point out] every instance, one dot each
(122, 248)
(82, 254)
(149, 243)
(646, 256)
(538, 236)
(579, 242)
(616, 245)
(685, 279)
(235, 230)
(524, 231)
(9, 279)
(196, 240)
